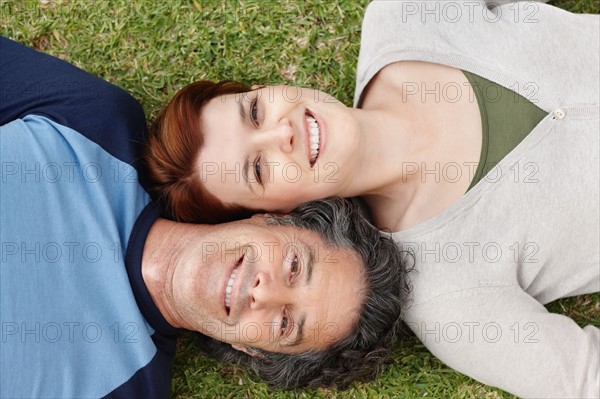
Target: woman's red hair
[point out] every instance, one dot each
(172, 156)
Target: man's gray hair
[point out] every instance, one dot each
(362, 354)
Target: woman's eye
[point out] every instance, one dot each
(254, 111)
(258, 171)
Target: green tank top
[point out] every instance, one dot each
(506, 119)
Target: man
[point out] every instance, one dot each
(95, 285)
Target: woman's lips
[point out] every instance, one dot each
(313, 137)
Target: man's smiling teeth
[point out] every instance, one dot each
(229, 287)
(313, 138)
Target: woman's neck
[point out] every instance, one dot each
(395, 148)
(410, 140)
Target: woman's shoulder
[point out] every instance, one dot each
(404, 80)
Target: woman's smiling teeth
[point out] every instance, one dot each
(314, 138)
(229, 288)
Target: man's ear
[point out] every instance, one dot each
(265, 216)
(248, 351)
(260, 216)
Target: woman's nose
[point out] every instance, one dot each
(279, 135)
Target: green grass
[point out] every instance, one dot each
(153, 48)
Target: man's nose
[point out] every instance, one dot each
(265, 292)
(279, 135)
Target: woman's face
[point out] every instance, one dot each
(276, 147)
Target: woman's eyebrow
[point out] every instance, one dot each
(241, 109)
(246, 163)
(245, 173)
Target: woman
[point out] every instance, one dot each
(475, 140)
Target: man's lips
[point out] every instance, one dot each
(231, 283)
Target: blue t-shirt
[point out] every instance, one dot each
(77, 319)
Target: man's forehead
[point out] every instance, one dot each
(267, 237)
(303, 239)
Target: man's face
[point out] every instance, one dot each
(276, 288)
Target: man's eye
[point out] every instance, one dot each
(295, 266)
(254, 112)
(284, 324)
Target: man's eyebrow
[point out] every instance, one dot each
(299, 333)
(310, 262)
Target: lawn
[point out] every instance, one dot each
(153, 48)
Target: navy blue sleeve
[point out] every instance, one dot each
(35, 83)
(154, 380)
